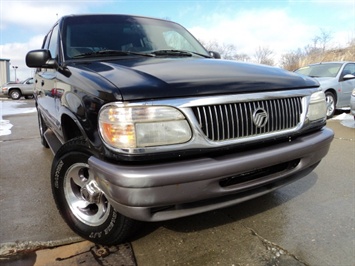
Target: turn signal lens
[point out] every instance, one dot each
(317, 107)
(142, 126)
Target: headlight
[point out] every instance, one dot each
(317, 107)
(353, 93)
(125, 127)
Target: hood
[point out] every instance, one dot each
(327, 82)
(153, 78)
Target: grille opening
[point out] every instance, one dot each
(258, 173)
(235, 120)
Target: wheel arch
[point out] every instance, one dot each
(334, 92)
(14, 88)
(71, 129)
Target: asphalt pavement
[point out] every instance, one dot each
(309, 222)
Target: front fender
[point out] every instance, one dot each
(79, 118)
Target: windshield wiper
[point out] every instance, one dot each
(111, 52)
(172, 53)
(202, 55)
(178, 53)
(151, 54)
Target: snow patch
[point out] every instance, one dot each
(5, 127)
(11, 108)
(347, 120)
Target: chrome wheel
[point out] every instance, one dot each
(84, 198)
(80, 201)
(15, 94)
(330, 100)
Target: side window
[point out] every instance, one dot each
(349, 69)
(53, 42)
(46, 41)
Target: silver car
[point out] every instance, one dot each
(337, 80)
(352, 103)
(16, 90)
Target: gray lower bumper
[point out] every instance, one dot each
(165, 191)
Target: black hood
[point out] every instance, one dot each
(154, 78)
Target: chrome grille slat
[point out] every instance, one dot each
(206, 122)
(234, 120)
(240, 125)
(251, 108)
(293, 107)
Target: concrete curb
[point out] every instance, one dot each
(12, 248)
(83, 252)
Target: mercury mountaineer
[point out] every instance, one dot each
(147, 125)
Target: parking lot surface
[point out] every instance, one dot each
(309, 222)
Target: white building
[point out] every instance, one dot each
(4, 71)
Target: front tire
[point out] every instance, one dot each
(90, 215)
(330, 100)
(15, 94)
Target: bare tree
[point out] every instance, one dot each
(324, 38)
(319, 44)
(263, 55)
(292, 60)
(242, 57)
(318, 51)
(227, 51)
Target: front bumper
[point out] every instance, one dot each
(164, 191)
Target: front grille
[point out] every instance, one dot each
(235, 120)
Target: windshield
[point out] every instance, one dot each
(87, 35)
(320, 70)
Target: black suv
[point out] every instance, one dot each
(146, 125)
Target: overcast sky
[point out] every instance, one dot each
(280, 25)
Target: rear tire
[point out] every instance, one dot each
(330, 100)
(15, 94)
(94, 219)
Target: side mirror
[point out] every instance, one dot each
(40, 58)
(215, 55)
(348, 76)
